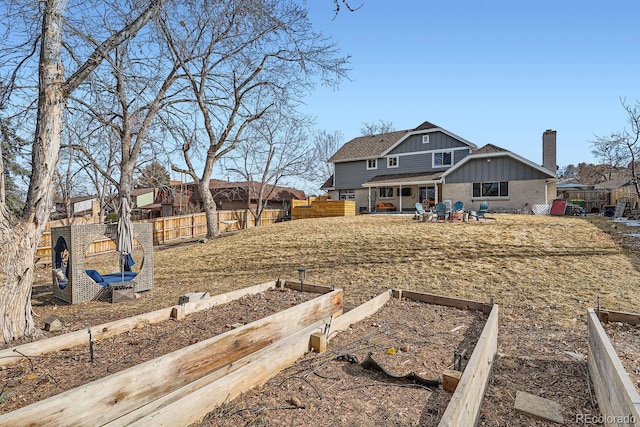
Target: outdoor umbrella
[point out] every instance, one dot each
(125, 233)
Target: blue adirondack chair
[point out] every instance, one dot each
(484, 207)
(441, 211)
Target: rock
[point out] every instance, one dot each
(296, 402)
(52, 324)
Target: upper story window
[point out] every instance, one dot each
(372, 164)
(392, 162)
(490, 189)
(444, 158)
(425, 139)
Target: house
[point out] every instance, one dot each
(161, 202)
(80, 206)
(404, 167)
(230, 195)
(621, 189)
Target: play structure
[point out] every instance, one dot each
(74, 283)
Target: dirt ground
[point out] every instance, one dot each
(626, 341)
(544, 272)
(328, 389)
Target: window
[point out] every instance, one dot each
(392, 162)
(372, 164)
(491, 189)
(425, 139)
(386, 192)
(406, 192)
(443, 159)
(347, 194)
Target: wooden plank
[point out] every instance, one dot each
(620, 316)
(464, 407)
(538, 407)
(446, 301)
(616, 394)
(205, 304)
(358, 313)
(81, 337)
(307, 287)
(192, 407)
(294, 342)
(105, 399)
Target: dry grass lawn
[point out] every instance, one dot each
(540, 268)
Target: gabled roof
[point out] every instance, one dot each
(367, 147)
(376, 146)
(613, 183)
(226, 190)
(491, 150)
(328, 185)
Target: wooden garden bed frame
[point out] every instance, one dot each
(617, 397)
(108, 330)
(172, 390)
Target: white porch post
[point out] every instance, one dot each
(400, 203)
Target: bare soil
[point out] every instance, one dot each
(327, 389)
(626, 341)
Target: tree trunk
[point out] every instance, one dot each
(19, 239)
(209, 206)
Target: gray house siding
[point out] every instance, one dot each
(498, 169)
(437, 141)
(413, 157)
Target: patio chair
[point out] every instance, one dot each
(484, 206)
(421, 214)
(441, 211)
(458, 206)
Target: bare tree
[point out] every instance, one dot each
(20, 236)
(612, 155)
(325, 144)
(625, 144)
(370, 129)
(275, 148)
(124, 100)
(254, 57)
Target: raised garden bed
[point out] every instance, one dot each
(342, 386)
(210, 343)
(617, 396)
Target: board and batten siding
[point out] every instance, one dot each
(437, 141)
(498, 169)
(351, 175)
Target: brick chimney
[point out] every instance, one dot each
(549, 150)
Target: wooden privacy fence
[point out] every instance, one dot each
(166, 229)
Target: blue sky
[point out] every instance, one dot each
(499, 72)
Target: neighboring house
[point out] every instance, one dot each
(161, 202)
(238, 195)
(429, 162)
(621, 189)
(80, 206)
(145, 203)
